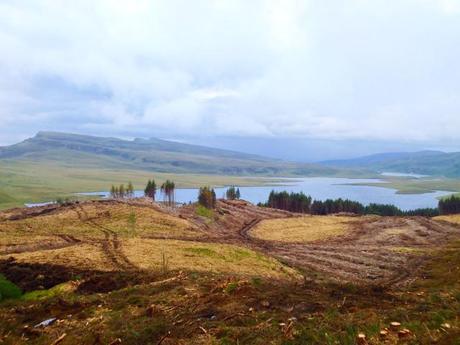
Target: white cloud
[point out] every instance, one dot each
(327, 69)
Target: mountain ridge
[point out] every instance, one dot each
(428, 162)
(150, 154)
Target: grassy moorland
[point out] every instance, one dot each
(52, 165)
(29, 181)
(431, 163)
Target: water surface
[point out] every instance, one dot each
(320, 188)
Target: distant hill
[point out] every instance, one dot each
(434, 163)
(157, 155)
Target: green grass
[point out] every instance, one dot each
(43, 294)
(204, 212)
(203, 252)
(8, 289)
(52, 165)
(231, 287)
(27, 181)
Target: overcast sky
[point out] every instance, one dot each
(324, 69)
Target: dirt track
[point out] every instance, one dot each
(111, 245)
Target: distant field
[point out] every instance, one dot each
(26, 181)
(301, 229)
(52, 165)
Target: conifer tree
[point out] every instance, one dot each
(113, 192)
(130, 190)
(207, 197)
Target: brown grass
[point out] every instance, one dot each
(147, 254)
(82, 256)
(85, 222)
(453, 218)
(302, 229)
(204, 257)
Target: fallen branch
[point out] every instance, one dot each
(232, 316)
(164, 337)
(58, 340)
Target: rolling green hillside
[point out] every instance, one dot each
(51, 164)
(151, 155)
(433, 163)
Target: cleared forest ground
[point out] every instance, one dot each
(372, 250)
(241, 274)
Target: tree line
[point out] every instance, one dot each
(294, 202)
(302, 203)
(450, 205)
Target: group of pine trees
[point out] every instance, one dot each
(207, 197)
(336, 206)
(233, 193)
(168, 189)
(294, 202)
(449, 205)
(150, 189)
(121, 191)
(301, 203)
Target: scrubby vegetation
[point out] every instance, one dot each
(8, 289)
(207, 197)
(204, 211)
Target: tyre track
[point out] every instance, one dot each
(111, 245)
(360, 259)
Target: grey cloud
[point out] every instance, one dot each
(383, 70)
